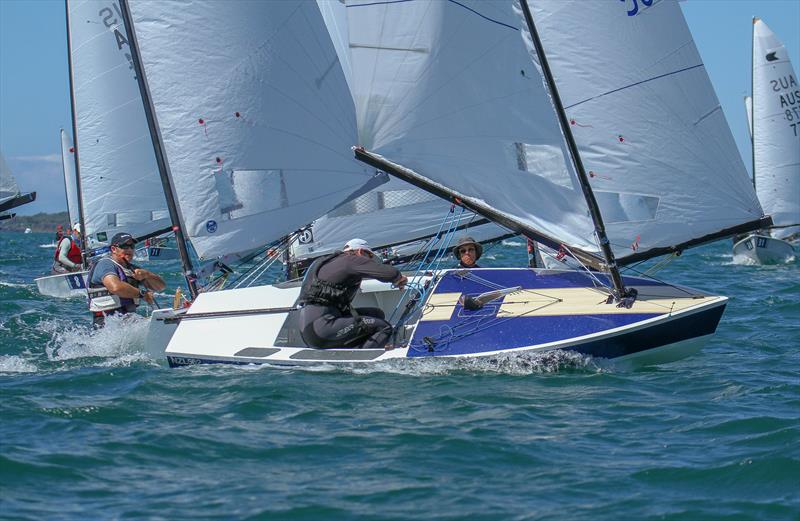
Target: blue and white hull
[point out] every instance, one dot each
(63, 285)
(551, 310)
(762, 249)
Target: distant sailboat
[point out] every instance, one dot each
(611, 145)
(10, 195)
(773, 118)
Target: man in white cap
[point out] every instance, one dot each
(68, 252)
(327, 319)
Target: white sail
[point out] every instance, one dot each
(8, 185)
(748, 108)
(255, 114)
(448, 90)
(651, 133)
(70, 181)
(776, 130)
(120, 184)
(396, 212)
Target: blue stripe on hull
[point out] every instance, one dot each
(463, 336)
(692, 326)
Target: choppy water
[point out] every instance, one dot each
(91, 427)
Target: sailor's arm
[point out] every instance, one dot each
(381, 272)
(149, 279)
(119, 288)
(63, 249)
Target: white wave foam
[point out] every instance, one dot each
(15, 364)
(122, 336)
(509, 242)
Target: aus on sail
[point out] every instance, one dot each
(785, 83)
(790, 98)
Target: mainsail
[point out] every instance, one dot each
(255, 116)
(748, 108)
(395, 213)
(120, 185)
(10, 196)
(776, 131)
(70, 182)
(651, 133)
(8, 185)
(448, 90)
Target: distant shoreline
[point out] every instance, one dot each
(40, 222)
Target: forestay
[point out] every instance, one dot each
(448, 90)
(651, 133)
(120, 185)
(255, 115)
(776, 130)
(70, 182)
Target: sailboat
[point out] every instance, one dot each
(114, 171)
(773, 118)
(66, 285)
(10, 195)
(558, 141)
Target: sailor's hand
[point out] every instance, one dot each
(401, 282)
(148, 297)
(140, 274)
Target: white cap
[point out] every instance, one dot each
(77, 227)
(357, 244)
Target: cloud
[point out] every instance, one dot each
(49, 158)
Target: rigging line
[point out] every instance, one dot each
(633, 85)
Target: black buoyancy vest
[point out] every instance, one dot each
(321, 292)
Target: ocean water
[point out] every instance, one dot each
(91, 427)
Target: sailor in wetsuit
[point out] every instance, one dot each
(327, 319)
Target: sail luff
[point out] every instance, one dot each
(750, 115)
(70, 180)
(81, 214)
(475, 205)
(588, 193)
(158, 148)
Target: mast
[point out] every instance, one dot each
(753, 102)
(81, 218)
(158, 146)
(594, 209)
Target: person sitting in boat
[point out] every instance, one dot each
(327, 318)
(467, 251)
(68, 252)
(116, 286)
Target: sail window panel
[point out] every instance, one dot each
(243, 193)
(545, 161)
(621, 207)
(381, 200)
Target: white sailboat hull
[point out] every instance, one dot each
(63, 285)
(554, 310)
(762, 249)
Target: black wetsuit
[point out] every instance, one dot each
(333, 325)
(461, 265)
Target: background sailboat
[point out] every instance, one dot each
(774, 122)
(494, 142)
(10, 195)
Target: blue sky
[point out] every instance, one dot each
(34, 87)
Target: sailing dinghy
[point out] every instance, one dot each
(111, 166)
(773, 117)
(501, 111)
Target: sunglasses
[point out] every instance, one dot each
(469, 249)
(126, 246)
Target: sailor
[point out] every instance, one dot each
(327, 319)
(467, 251)
(59, 233)
(116, 286)
(67, 258)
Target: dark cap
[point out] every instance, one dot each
(122, 238)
